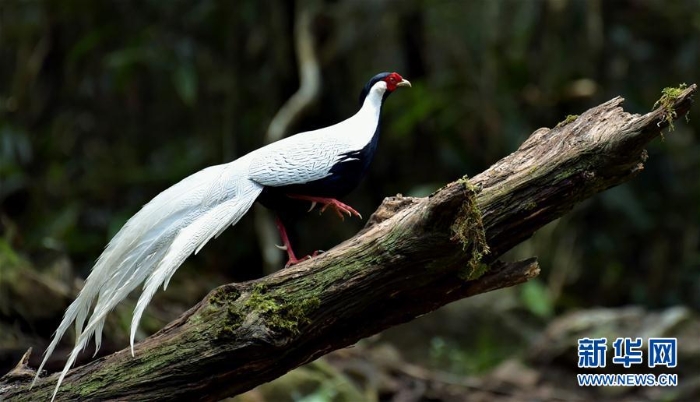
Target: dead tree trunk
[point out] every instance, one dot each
(415, 255)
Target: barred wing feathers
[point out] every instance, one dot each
(298, 159)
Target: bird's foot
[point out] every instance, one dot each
(339, 208)
(294, 261)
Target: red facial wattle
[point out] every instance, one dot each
(395, 80)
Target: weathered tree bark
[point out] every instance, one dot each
(415, 255)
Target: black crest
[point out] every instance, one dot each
(370, 83)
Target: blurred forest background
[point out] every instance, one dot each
(103, 104)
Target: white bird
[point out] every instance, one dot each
(312, 167)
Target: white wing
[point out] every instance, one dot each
(298, 159)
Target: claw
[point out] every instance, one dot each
(340, 209)
(281, 247)
(313, 205)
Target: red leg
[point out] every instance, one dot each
(287, 245)
(293, 260)
(337, 206)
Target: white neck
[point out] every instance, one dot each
(357, 130)
(373, 102)
(362, 126)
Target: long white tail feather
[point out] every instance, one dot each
(182, 219)
(152, 245)
(193, 237)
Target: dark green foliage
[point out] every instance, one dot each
(104, 104)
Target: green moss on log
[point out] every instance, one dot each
(570, 118)
(285, 314)
(223, 308)
(666, 102)
(468, 227)
(224, 295)
(473, 273)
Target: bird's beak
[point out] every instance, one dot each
(404, 83)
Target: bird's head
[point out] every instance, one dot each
(384, 84)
